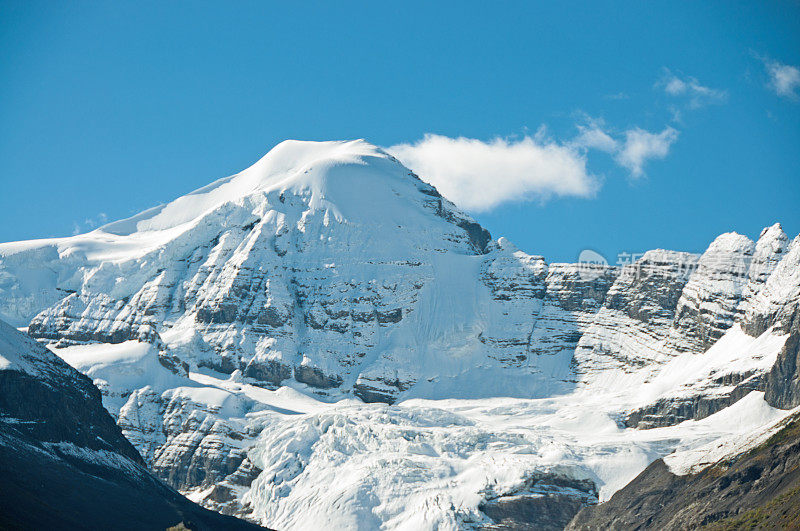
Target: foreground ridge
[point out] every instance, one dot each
(63, 461)
(759, 487)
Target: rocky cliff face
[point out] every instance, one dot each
(64, 462)
(544, 502)
(777, 305)
(331, 269)
(734, 285)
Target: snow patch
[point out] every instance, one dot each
(755, 422)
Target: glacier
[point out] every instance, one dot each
(324, 341)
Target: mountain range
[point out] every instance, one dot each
(324, 341)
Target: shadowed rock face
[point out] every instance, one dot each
(649, 290)
(782, 383)
(671, 411)
(777, 305)
(64, 463)
(758, 488)
(545, 502)
(68, 409)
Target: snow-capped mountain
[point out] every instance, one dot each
(248, 337)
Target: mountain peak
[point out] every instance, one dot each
(292, 164)
(775, 230)
(773, 237)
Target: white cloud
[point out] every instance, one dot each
(631, 149)
(592, 136)
(478, 175)
(641, 145)
(784, 79)
(689, 87)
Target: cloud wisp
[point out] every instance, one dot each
(89, 224)
(479, 176)
(631, 149)
(593, 136)
(783, 79)
(696, 95)
(640, 146)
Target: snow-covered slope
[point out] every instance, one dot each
(237, 331)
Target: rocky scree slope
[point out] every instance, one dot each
(64, 462)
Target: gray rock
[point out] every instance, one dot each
(672, 411)
(782, 382)
(315, 377)
(544, 502)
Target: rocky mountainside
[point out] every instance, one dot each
(758, 488)
(64, 462)
(237, 332)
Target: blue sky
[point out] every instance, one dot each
(690, 109)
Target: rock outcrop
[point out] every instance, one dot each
(546, 502)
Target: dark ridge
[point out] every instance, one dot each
(64, 463)
(757, 489)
